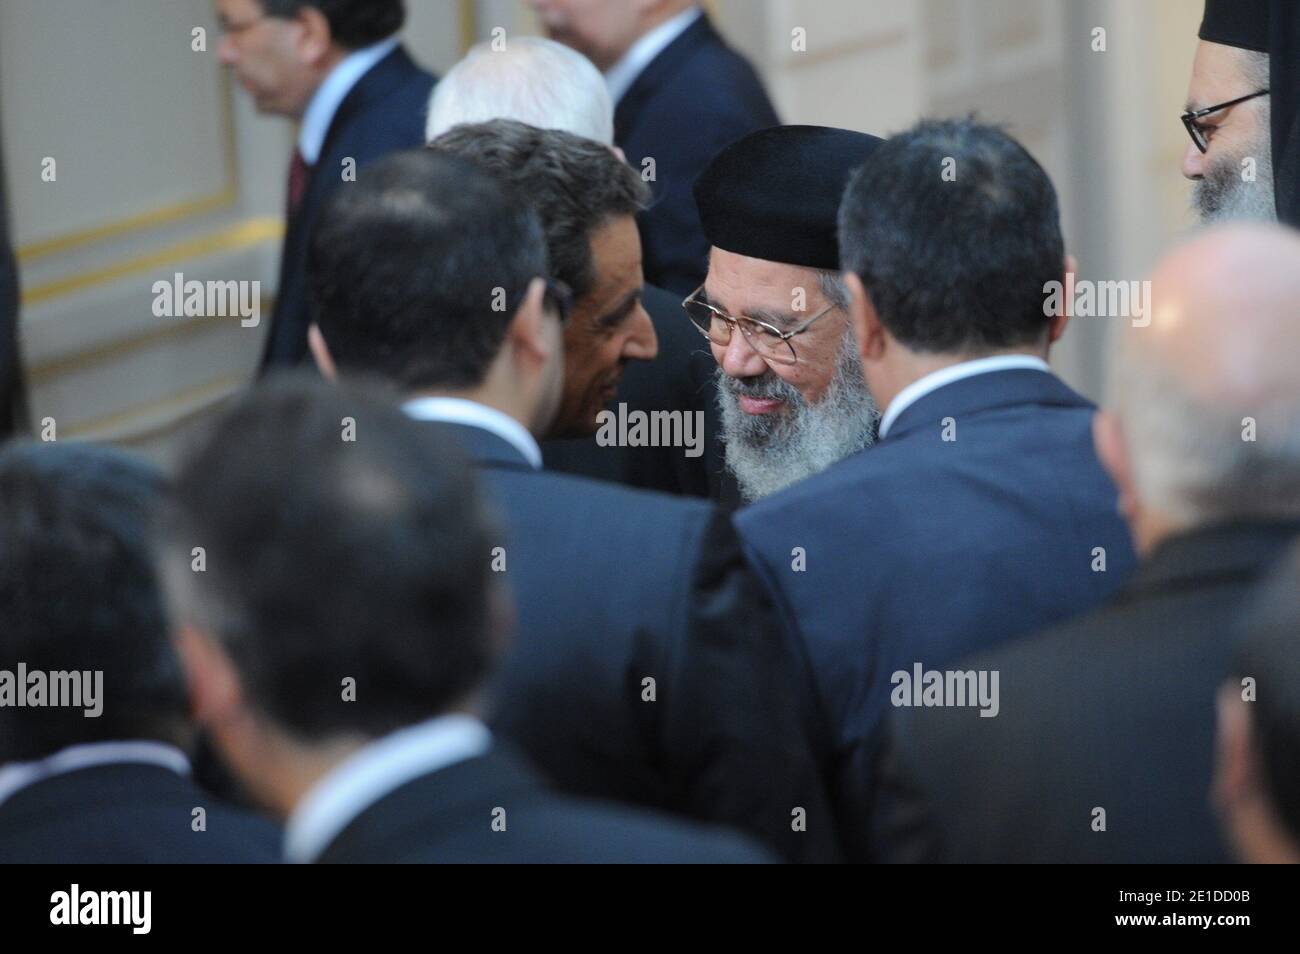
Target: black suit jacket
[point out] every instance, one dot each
(447, 816)
(1115, 710)
(697, 96)
(680, 378)
(383, 113)
(616, 586)
(129, 813)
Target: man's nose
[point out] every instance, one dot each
(1193, 162)
(641, 344)
(739, 359)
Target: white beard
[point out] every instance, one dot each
(1223, 196)
(767, 453)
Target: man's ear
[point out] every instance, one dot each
(215, 693)
(320, 353)
(1056, 327)
(531, 335)
(868, 330)
(1112, 450)
(314, 35)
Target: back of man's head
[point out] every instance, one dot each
(417, 268)
(953, 229)
(353, 23)
(341, 540)
(1207, 392)
(533, 80)
(576, 184)
(79, 596)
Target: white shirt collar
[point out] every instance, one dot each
(620, 77)
(373, 771)
(19, 775)
(955, 372)
(450, 410)
(329, 96)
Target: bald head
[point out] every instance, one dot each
(1207, 394)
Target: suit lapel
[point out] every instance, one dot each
(669, 61)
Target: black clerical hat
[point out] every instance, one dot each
(775, 193)
(1239, 23)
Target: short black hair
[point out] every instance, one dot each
(576, 184)
(79, 592)
(353, 23)
(954, 230)
(1269, 653)
(329, 558)
(415, 270)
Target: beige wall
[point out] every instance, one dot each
(163, 167)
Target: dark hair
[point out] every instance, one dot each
(329, 558)
(576, 184)
(353, 23)
(78, 592)
(415, 269)
(954, 262)
(1269, 652)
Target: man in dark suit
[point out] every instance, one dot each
(1103, 745)
(586, 198)
(1257, 764)
(337, 68)
(550, 86)
(647, 664)
(982, 512)
(340, 632)
(93, 711)
(680, 95)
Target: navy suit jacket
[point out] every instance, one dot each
(127, 814)
(697, 96)
(679, 378)
(383, 113)
(615, 587)
(1112, 710)
(447, 817)
(918, 549)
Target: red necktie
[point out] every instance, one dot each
(299, 172)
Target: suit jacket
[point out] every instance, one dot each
(680, 378)
(383, 113)
(447, 816)
(697, 96)
(615, 587)
(127, 814)
(918, 549)
(1114, 710)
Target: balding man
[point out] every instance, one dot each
(1103, 744)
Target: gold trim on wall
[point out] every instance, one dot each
(175, 212)
(240, 235)
(468, 25)
(208, 395)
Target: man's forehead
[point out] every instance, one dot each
(1218, 74)
(740, 283)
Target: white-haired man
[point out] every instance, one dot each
(551, 86)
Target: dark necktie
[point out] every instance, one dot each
(299, 172)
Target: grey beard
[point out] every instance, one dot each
(1223, 196)
(768, 452)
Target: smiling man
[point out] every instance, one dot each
(1227, 118)
(587, 199)
(791, 392)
